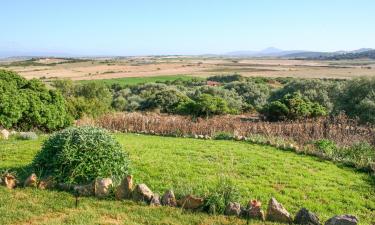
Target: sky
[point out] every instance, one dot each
(157, 27)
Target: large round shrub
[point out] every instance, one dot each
(78, 155)
(29, 104)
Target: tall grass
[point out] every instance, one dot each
(342, 130)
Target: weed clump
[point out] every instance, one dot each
(79, 155)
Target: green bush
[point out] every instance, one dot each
(253, 94)
(167, 100)
(326, 147)
(205, 105)
(233, 100)
(28, 104)
(292, 107)
(80, 155)
(357, 99)
(314, 90)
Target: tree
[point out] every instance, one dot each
(357, 99)
(167, 101)
(205, 105)
(293, 106)
(313, 89)
(254, 94)
(29, 104)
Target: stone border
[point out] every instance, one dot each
(101, 188)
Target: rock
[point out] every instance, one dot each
(142, 193)
(254, 210)
(124, 191)
(190, 202)
(169, 199)
(4, 134)
(102, 187)
(31, 181)
(155, 200)
(233, 209)
(46, 183)
(256, 213)
(342, 220)
(9, 181)
(82, 190)
(304, 216)
(28, 136)
(276, 212)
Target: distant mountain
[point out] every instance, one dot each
(268, 52)
(294, 54)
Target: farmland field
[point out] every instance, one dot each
(193, 166)
(109, 68)
(140, 80)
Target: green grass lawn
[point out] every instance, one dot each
(141, 80)
(191, 165)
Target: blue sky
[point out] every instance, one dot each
(139, 27)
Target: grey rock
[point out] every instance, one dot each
(233, 209)
(306, 217)
(28, 136)
(169, 199)
(342, 220)
(155, 200)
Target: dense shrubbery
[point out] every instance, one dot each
(277, 99)
(314, 90)
(79, 155)
(291, 107)
(30, 105)
(90, 99)
(357, 99)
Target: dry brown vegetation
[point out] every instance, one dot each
(340, 129)
(107, 68)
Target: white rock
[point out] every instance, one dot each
(4, 134)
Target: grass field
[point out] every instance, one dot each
(191, 165)
(141, 80)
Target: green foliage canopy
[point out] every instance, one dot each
(30, 105)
